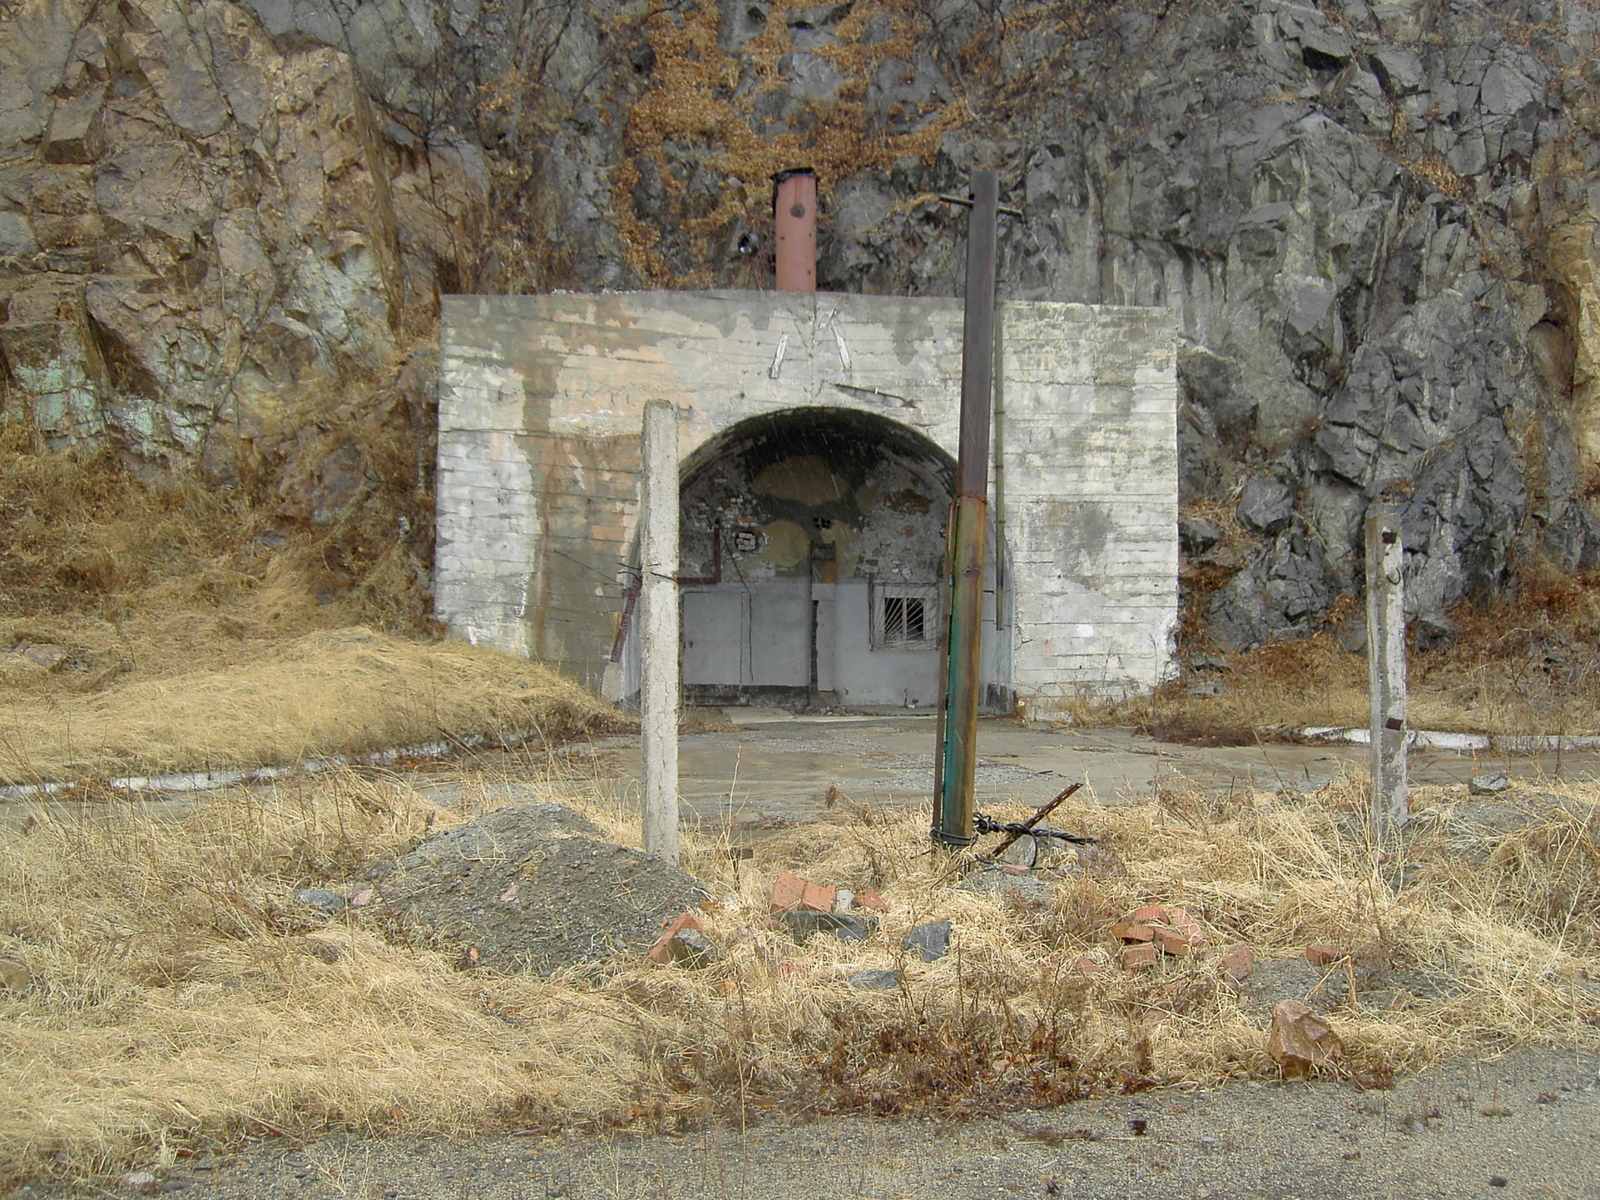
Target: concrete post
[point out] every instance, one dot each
(658, 629)
(1386, 672)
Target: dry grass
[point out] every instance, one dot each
(209, 626)
(1526, 664)
(343, 691)
(180, 998)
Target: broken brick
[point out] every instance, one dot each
(1324, 956)
(818, 898)
(1172, 943)
(663, 951)
(1182, 923)
(1149, 914)
(867, 898)
(1133, 931)
(787, 892)
(1086, 966)
(1140, 957)
(1239, 962)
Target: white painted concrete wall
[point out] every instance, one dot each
(540, 407)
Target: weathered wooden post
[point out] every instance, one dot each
(957, 757)
(1386, 671)
(658, 629)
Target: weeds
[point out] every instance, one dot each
(180, 995)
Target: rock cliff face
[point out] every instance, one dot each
(1376, 218)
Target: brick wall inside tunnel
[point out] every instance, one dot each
(541, 401)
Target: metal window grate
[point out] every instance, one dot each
(904, 616)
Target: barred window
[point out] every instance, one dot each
(905, 616)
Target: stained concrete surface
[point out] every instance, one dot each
(778, 766)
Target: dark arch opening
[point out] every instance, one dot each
(813, 543)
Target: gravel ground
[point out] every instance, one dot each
(1528, 1125)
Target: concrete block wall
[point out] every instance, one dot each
(541, 405)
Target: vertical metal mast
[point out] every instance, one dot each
(958, 709)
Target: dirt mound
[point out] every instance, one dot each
(525, 887)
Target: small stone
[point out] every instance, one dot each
(1299, 1039)
(874, 980)
(321, 899)
(1239, 962)
(1490, 784)
(13, 975)
(1324, 956)
(847, 927)
(691, 948)
(44, 654)
(1087, 967)
(843, 900)
(362, 898)
(930, 940)
(144, 1182)
(1498, 1181)
(1196, 535)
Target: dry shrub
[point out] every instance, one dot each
(181, 996)
(320, 520)
(345, 691)
(182, 993)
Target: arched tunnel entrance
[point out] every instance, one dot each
(813, 544)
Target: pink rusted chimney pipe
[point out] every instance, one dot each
(794, 205)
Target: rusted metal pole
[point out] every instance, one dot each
(1386, 672)
(794, 211)
(958, 726)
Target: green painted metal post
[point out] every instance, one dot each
(958, 709)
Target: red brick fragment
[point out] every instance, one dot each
(1239, 962)
(1086, 966)
(1172, 943)
(1182, 923)
(1133, 931)
(867, 898)
(787, 892)
(661, 952)
(1150, 914)
(1140, 957)
(818, 898)
(1324, 956)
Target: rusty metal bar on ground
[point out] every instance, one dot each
(963, 641)
(1031, 822)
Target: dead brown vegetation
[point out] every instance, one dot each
(180, 997)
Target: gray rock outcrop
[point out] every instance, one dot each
(1376, 219)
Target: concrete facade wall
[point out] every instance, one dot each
(541, 402)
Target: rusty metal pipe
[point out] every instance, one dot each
(794, 211)
(954, 781)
